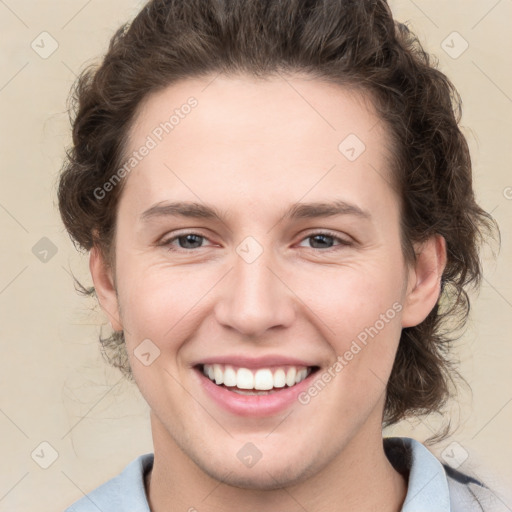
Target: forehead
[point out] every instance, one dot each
(257, 139)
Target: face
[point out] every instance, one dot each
(289, 269)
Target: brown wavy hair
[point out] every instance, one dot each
(353, 43)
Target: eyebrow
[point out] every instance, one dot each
(295, 211)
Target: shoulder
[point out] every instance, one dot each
(468, 494)
(123, 493)
(436, 486)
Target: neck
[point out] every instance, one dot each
(359, 478)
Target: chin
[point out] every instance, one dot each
(265, 478)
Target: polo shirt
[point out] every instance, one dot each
(432, 486)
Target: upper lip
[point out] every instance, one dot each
(255, 362)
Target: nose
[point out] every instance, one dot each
(254, 298)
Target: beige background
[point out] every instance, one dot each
(55, 388)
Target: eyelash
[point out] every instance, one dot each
(342, 242)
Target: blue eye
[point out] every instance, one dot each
(187, 238)
(327, 237)
(189, 241)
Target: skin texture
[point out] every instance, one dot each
(251, 148)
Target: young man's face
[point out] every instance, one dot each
(258, 289)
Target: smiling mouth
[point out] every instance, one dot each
(261, 381)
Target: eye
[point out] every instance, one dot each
(186, 241)
(322, 238)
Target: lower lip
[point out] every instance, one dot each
(253, 405)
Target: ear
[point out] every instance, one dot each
(105, 287)
(424, 282)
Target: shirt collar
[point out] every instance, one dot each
(427, 487)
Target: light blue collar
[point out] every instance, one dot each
(427, 488)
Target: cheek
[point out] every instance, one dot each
(361, 320)
(165, 304)
(350, 298)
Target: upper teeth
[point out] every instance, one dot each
(261, 379)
